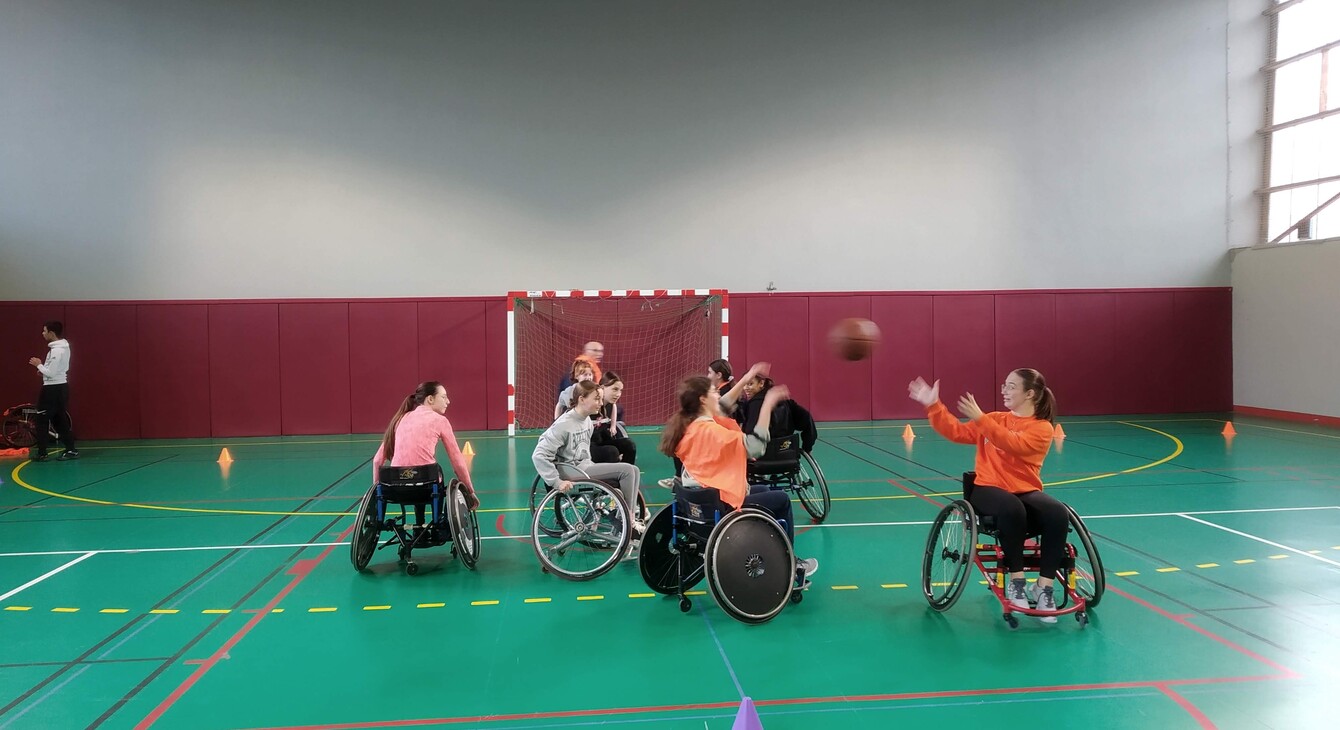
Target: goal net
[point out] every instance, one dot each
(652, 338)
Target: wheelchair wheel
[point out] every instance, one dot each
(812, 488)
(366, 532)
(661, 561)
(1088, 577)
(464, 525)
(750, 566)
(949, 554)
(582, 533)
(17, 430)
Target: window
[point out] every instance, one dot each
(1302, 132)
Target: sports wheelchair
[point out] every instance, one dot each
(748, 561)
(784, 465)
(582, 533)
(18, 426)
(953, 546)
(418, 486)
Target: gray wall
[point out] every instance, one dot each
(282, 149)
(1286, 328)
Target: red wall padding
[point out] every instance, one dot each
(907, 350)
(174, 378)
(244, 395)
(452, 350)
(104, 384)
(838, 388)
(314, 367)
(779, 333)
(965, 349)
(158, 370)
(383, 361)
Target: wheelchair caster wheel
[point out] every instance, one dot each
(797, 596)
(684, 605)
(1082, 618)
(411, 568)
(1011, 620)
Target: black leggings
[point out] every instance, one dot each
(777, 503)
(1019, 515)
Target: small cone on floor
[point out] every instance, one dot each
(908, 435)
(468, 452)
(747, 717)
(1058, 434)
(1229, 431)
(225, 457)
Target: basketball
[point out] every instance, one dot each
(853, 339)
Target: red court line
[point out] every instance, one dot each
(1186, 705)
(1289, 673)
(1163, 685)
(505, 533)
(300, 571)
(915, 493)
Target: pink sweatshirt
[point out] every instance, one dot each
(416, 438)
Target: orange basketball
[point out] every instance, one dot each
(853, 339)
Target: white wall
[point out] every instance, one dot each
(253, 149)
(1286, 328)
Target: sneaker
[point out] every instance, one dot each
(666, 483)
(632, 552)
(68, 455)
(639, 528)
(1017, 593)
(809, 565)
(1046, 602)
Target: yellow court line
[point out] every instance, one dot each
(431, 605)
(199, 510)
(165, 610)
(892, 585)
(115, 610)
(1207, 565)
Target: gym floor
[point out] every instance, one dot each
(146, 584)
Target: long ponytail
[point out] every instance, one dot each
(425, 391)
(1044, 401)
(691, 393)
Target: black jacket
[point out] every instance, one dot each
(788, 417)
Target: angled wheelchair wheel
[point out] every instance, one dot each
(812, 488)
(750, 566)
(582, 533)
(949, 554)
(1088, 578)
(464, 525)
(363, 542)
(657, 559)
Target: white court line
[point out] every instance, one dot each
(514, 537)
(41, 578)
(1262, 539)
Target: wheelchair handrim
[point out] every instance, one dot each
(950, 547)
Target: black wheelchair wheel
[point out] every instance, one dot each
(464, 525)
(16, 432)
(750, 566)
(812, 488)
(582, 533)
(537, 491)
(949, 554)
(1087, 578)
(366, 532)
(657, 560)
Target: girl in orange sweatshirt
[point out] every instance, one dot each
(1010, 449)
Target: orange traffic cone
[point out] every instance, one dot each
(225, 457)
(1059, 433)
(908, 435)
(1229, 431)
(468, 452)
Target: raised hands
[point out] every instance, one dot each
(967, 405)
(924, 394)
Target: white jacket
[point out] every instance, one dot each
(57, 365)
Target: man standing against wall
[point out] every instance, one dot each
(55, 396)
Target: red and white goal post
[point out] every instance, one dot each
(653, 338)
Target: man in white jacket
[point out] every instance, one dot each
(55, 395)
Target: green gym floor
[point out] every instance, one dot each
(144, 585)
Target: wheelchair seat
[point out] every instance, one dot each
(410, 485)
(781, 457)
(986, 524)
